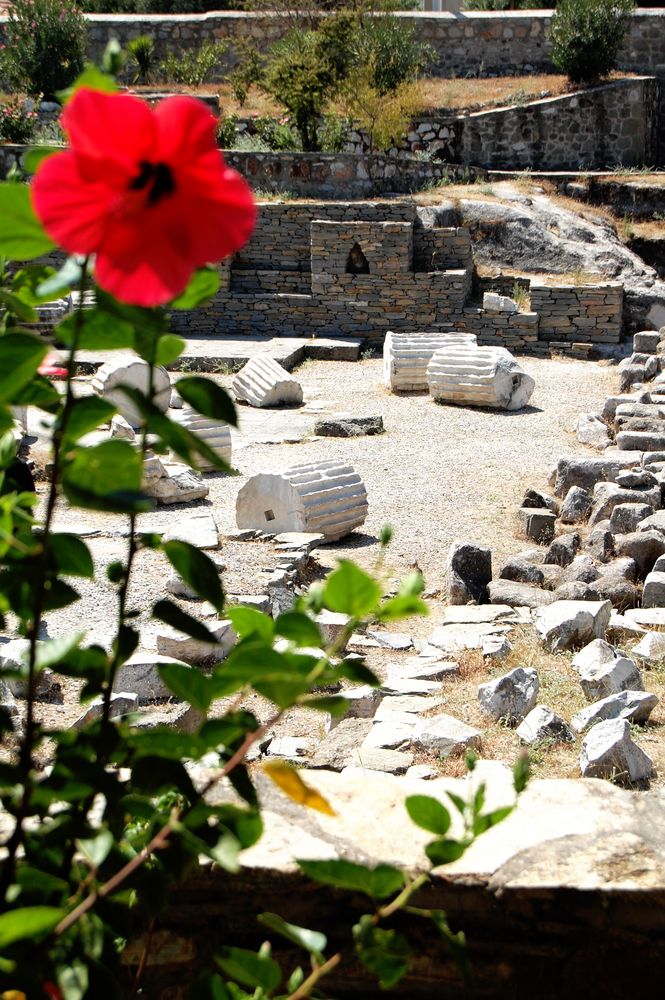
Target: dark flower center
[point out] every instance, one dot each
(156, 178)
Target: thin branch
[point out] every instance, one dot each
(319, 972)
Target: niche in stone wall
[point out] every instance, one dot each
(356, 262)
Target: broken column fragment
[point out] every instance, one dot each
(263, 382)
(327, 497)
(406, 356)
(478, 376)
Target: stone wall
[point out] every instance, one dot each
(579, 313)
(469, 43)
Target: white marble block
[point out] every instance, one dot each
(406, 356)
(263, 382)
(325, 497)
(215, 433)
(134, 372)
(478, 376)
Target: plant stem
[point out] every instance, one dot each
(319, 972)
(25, 755)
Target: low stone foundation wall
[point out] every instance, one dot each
(579, 313)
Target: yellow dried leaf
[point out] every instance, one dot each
(13, 995)
(289, 781)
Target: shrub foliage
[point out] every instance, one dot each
(45, 46)
(587, 35)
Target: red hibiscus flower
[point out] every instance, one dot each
(145, 190)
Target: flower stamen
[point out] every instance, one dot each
(155, 176)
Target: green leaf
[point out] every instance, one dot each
(458, 802)
(379, 882)
(7, 449)
(21, 233)
(169, 348)
(35, 156)
(312, 941)
(39, 392)
(208, 986)
(91, 77)
(208, 398)
(335, 705)
(55, 285)
(51, 652)
(17, 306)
(187, 684)
(95, 330)
(98, 848)
(28, 922)
(71, 555)
(299, 628)
(105, 477)
(442, 852)
(203, 284)
(401, 607)
(196, 569)
(351, 591)
(250, 622)
(250, 969)
(58, 594)
(73, 980)
(86, 415)
(428, 813)
(521, 771)
(169, 612)
(490, 819)
(20, 356)
(356, 670)
(386, 953)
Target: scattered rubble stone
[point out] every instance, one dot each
(521, 571)
(345, 427)
(445, 735)
(605, 670)
(636, 706)
(515, 594)
(563, 550)
(542, 725)
(625, 517)
(538, 524)
(608, 752)
(468, 573)
(334, 751)
(121, 703)
(510, 697)
(576, 506)
(567, 624)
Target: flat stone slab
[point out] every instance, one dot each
(377, 759)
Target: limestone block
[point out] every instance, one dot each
(499, 303)
(445, 735)
(608, 752)
(133, 372)
(651, 649)
(468, 573)
(604, 670)
(263, 382)
(177, 484)
(653, 595)
(566, 624)
(538, 524)
(542, 725)
(510, 697)
(406, 356)
(576, 505)
(215, 433)
(327, 497)
(478, 376)
(636, 706)
(591, 430)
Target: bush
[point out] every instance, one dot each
(141, 51)
(193, 66)
(391, 46)
(45, 46)
(17, 123)
(586, 37)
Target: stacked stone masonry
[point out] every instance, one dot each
(359, 269)
(476, 43)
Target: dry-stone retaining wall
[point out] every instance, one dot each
(469, 43)
(359, 269)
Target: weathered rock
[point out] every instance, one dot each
(606, 496)
(171, 642)
(389, 735)
(198, 529)
(121, 428)
(494, 302)
(599, 543)
(654, 521)
(576, 506)
(575, 590)
(586, 472)
(121, 703)
(604, 670)
(215, 433)
(140, 675)
(643, 547)
(591, 430)
(625, 517)
(653, 595)
(581, 570)
(327, 497)
(636, 479)
(510, 697)
(128, 370)
(468, 573)
(478, 376)
(651, 649)
(570, 624)
(179, 484)
(518, 595)
(535, 498)
(646, 341)
(362, 702)
(407, 355)
(635, 706)
(538, 524)
(640, 440)
(563, 550)
(608, 752)
(334, 752)
(445, 735)
(263, 382)
(542, 725)
(8, 707)
(521, 571)
(380, 759)
(348, 426)
(291, 747)
(332, 625)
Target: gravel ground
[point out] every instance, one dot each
(439, 473)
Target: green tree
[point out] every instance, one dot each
(586, 37)
(45, 46)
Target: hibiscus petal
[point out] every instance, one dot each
(222, 203)
(73, 212)
(185, 130)
(113, 131)
(140, 266)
